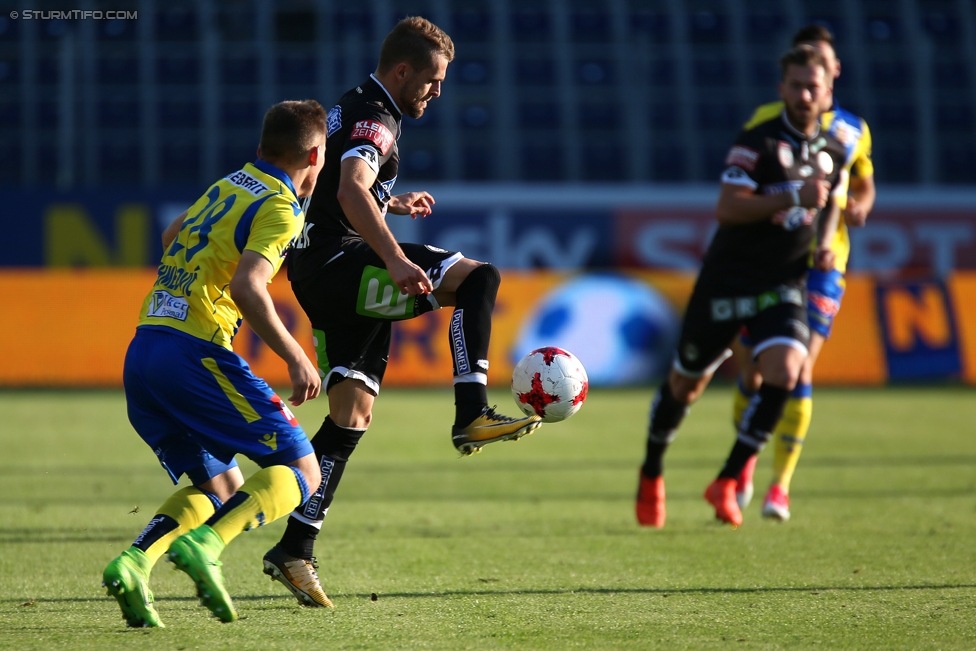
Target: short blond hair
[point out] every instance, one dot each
(415, 41)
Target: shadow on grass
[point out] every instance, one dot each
(553, 592)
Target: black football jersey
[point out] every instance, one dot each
(771, 158)
(364, 124)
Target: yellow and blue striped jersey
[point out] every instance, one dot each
(854, 134)
(254, 209)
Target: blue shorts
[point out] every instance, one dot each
(825, 289)
(197, 405)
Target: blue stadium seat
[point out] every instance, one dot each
(11, 168)
(722, 115)
(237, 151)
(176, 24)
(115, 114)
(348, 22)
(472, 72)
(664, 117)
(179, 163)
(9, 29)
(766, 27)
(950, 74)
(542, 162)
(116, 70)
(765, 72)
(954, 117)
(595, 73)
(47, 114)
(883, 29)
(896, 117)
(296, 70)
(429, 120)
(475, 117)
(531, 26)
(238, 71)
(476, 163)
(9, 72)
(543, 116)
(423, 164)
(471, 26)
(244, 114)
(182, 70)
(654, 26)
(179, 114)
(590, 27)
(117, 30)
(604, 161)
(713, 72)
(708, 27)
(958, 163)
(895, 161)
(890, 73)
(120, 163)
(10, 115)
(295, 26)
(535, 72)
(599, 115)
(48, 70)
(943, 27)
(713, 159)
(668, 163)
(662, 72)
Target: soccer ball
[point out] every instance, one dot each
(550, 383)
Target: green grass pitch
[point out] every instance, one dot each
(526, 546)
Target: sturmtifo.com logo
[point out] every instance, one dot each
(74, 14)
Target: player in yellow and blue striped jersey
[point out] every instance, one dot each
(193, 400)
(825, 289)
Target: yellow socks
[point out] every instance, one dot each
(185, 509)
(790, 434)
(739, 404)
(269, 494)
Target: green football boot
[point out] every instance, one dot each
(196, 554)
(127, 579)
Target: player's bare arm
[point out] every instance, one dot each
(355, 180)
(411, 203)
(824, 256)
(173, 229)
(860, 201)
(249, 289)
(739, 204)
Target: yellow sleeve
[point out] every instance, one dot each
(764, 113)
(862, 165)
(276, 225)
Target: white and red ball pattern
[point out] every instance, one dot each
(550, 383)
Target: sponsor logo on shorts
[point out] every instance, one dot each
(271, 440)
(165, 305)
(247, 182)
(457, 343)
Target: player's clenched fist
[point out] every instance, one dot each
(814, 193)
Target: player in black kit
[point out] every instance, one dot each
(353, 280)
(779, 176)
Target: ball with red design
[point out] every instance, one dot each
(550, 383)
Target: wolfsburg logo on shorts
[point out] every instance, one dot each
(457, 343)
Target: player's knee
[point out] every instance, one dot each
(483, 280)
(335, 440)
(686, 389)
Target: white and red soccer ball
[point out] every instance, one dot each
(550, 383)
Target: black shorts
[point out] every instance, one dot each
(352, 304)
(716, 313)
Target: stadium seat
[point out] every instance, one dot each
(713, 72)
(238, 71)
(177, 24)
(244, 114)
(708, 28)
(476, 116)
(590, 27)
(958, 163)
(954, 117)
(896, 162)
(117, 70)
(595, 73)
(350, 23)
(896, 117)
(531, 26)
(9, 73)
(942, 26)
(664, 117)
(890, 73)
(662, 72)
(472, 72)
(604, 161)
(668, 163)
(476, 163)
(179, 163)
(886, 29)
(656, 27)
(48, 70)
(47, 114)
(10, 114)
(120, 163)
(296, 70)
(725, 116)
(295, 26)
(179, 114)
(542, 162)
(599, 115)
(471, 26)
(764, 73)
(236, 151)
(539, 115)
(115, 114)
(182, 70)
(423, 164)
(950, 74)
(766, 27)
(535, 72)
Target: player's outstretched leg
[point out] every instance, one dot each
(666, 415)
(127, 577)
(475, 423)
